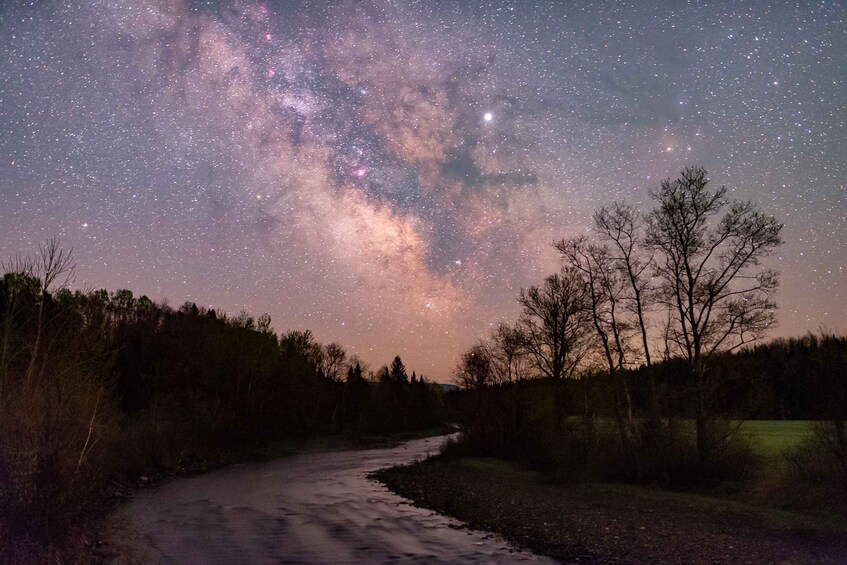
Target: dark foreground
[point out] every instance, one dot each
(612, 524)
(314, 508)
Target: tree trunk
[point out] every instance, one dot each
(702, 419)
(31, 367)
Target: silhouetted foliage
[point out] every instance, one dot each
(397, 373)
(555, 324)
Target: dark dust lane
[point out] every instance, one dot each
(305, 509)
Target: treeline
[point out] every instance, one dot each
(635, 360)
(232, 381)
(570, 426)
(798, 378)
(95, 384)
(788, 379)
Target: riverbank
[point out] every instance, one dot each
(602, 523)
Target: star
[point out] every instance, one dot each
(344, 158)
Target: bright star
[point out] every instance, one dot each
(488, 116)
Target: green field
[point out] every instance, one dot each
(774, 438)
(771, 439)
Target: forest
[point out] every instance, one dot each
(99, 385)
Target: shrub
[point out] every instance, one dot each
(54, 438)
(819, 465)
(668, 457)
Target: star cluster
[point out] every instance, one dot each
(390, 174)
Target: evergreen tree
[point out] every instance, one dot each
(398, 371)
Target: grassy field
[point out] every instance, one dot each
(773, 439)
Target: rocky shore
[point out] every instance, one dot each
(591, 523)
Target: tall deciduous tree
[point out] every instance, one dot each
(53, 268)
(711, 280)
(556, 323)
(474, 371)
(606, 290)
(619, 225)
(508, 354)
(333, 360)
(622, 228)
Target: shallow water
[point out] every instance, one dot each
(305, 509)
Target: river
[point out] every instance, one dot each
(313, 508)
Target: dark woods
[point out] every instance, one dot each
(572, 427)
(94, 384)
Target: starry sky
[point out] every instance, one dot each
(389, 174)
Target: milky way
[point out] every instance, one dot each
(390, 174)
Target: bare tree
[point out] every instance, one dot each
(708, 268)
(510, 364)
(556, 323)
(474, 374)
(508, 354)
(52, 268)
(474, 371)
(333, 361)
(303, 343)
(621, 226)
(605, 292)
(618, 225)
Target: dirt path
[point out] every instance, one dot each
(595, 524)
(304, 509)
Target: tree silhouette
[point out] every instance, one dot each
(474, 371)
(605, 293)
(621, 227)
(556, 324)
(332, 361)
(707, 266)
(508, 354)
(397, 373)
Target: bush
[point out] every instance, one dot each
(54, 437)
(538, 424)
(819, 465)
(668, 457)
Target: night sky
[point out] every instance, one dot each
(390, 174)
